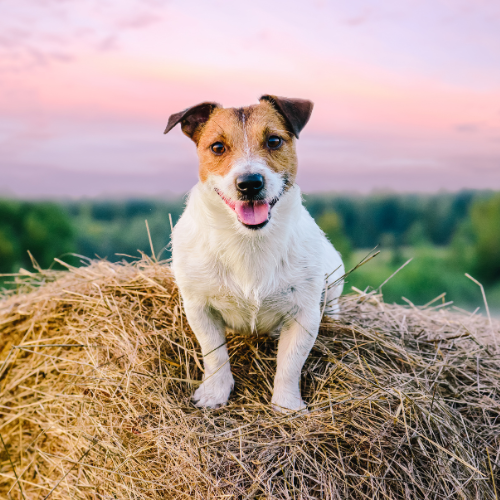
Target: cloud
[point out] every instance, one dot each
(140, 20)
(38, 181)
(357, 20)
(467, 128)
(108, 44)
(38, 33)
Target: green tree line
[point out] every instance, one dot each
(446, 234)
(43, 229)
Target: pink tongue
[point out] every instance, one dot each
(252, 213)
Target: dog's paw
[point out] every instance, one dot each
(214, 391)
(287, 402)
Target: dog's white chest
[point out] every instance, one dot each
(254, 284)
(261, 311)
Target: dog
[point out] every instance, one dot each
(246, 255)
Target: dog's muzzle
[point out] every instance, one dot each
(250, 185)
(251, 208)
(253, 214)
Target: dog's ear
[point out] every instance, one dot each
(192, 119)
(296, 112)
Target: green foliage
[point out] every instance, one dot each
(47, 232)
(484, 230)
(366, 218)
(417, 234)
(42, 228)
(9, 251)
(431, 272)
(117, 229)
(331, 225)
(446, 234)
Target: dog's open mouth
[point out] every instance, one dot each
(253, 214)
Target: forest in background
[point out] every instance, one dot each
(446, 235)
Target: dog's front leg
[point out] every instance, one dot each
(218, 380)
(295, 344)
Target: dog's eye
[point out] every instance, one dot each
(218, 148)
(274, 142)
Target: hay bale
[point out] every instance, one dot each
(98, 364)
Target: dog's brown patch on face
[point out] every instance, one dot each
(244, 133)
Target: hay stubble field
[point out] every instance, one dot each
(97, 366)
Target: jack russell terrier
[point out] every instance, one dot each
(246, 254)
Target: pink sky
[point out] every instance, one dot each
(406, 92)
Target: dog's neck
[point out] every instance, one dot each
(251, 257)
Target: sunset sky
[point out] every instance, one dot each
(407, 93)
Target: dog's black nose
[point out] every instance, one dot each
(250, 184)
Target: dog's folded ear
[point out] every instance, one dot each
(296, 112)
(192, 119)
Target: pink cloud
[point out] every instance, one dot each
(140, 20)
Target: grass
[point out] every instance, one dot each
(98, 363)
(431, 272)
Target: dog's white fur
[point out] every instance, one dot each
(270, 280)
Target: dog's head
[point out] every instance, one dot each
(247, 155)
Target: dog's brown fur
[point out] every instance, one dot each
(244, 133)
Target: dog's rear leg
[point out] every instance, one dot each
(218, 380)
(296, 341)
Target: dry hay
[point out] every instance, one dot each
(97, 367)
